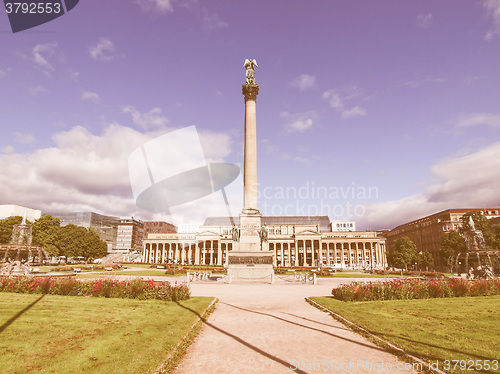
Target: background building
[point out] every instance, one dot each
(188, 228)
(294, 240)
(11, 210)
(344, 226)
(105, 226)
(130, 234)
(158, 227)
(427, 232)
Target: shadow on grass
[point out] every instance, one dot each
(430, 358)
(246, 344)
(19, 314)
(469, 355)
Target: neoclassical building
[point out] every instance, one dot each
(294, 240)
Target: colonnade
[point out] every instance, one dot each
(206, 252)
(316, 252)
(291, 252)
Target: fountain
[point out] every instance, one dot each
(478, 261)
(18, 256)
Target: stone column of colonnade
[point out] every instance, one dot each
(196, 252)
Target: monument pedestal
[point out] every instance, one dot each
(250, 259)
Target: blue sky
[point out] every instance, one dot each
(373, 111)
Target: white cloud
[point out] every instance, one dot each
(149, 120)
(211, 21)
(419, 82)
(478, 119)
(304, 82)
(74, 76)
(4, 72)
(302, 160)
(424, 21)
(35, 91)
(345, 101)
(90, 96)
(88, 172)
(42, 53)
(356, 111)
(216, 146)
(161, 6)
(298, 122)
(469, 181)
(102, 50)
(301, 125)
(493, 9)
(8, 149)
(24, 138)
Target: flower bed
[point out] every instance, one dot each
(428, 274)
(416, 289)
(133, 289)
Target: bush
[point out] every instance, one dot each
(427, 274)
(134, 289)
(175, 271)
(405, 289)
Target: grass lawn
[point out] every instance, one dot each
(465, 328)
(64, 334)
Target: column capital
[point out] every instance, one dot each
(250, 91)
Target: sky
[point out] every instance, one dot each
(378, 112)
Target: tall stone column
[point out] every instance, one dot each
(250, 91)
(250, 257)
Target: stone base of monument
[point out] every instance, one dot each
(250, 267)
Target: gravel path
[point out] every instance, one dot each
(264, 328)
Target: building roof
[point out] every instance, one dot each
(11, 210)
(494, 212)
(322, 221)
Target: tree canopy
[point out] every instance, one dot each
(46, 234)
(77, 241)
(403, 254)
(6, 226)
(425, 260)
(69, 240)
(452, 244)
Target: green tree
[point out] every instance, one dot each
(46, 234)
(70, 237)
(481, 223)
(452, 244)
(496, 232)
(425, 260)
(403, 254)
(76, 241)
(95, 247)
(6, 226)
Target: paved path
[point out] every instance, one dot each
(263, 328)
